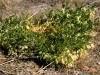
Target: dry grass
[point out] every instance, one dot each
(17, 7)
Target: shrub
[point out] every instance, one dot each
(62, 38)
(68, 32)
(17, 36)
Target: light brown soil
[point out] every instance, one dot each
(88, 65)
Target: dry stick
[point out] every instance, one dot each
(8, 61)
(70, 2)
(42, 68)
(32, 15)
(8, 72)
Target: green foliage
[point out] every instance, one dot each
(63, 38)
(15, 36)
(68, 32)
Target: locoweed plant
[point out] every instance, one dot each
(63, 38)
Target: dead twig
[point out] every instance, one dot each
(8, 61)
(32, 15)
(42, 69)
(6, 72)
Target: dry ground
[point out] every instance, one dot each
(88, 65)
